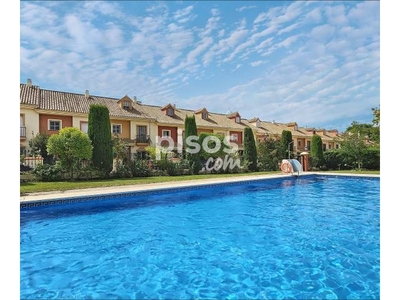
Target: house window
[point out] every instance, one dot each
(204, 115)
(22, 128)
(166, 133)
(142, 134)
(329, 146)
(170, 111)
(141, 155)
(116, 128)
(299, 143)
(308, 145)
(337, 146)
(324, 147)
(84, 127)
(237, 119)
(54, 125)
(127, 105)
(234, 137)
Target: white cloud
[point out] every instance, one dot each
(336, 15)
(288, 28)
(328, 69)
(323, 32)
(242, 8)
(261, 17)
(92, 8)
(183, 12)
(212, 23)
(367, 12)
(224, 45)
(288, 41)
(32, 15)
(184, 15)
(192, 55)
(257, 63)
(314, 15)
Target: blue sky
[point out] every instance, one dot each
(317, 63)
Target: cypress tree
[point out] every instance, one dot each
(250, 150)
(99, 132)
(191, 130)
(316, 152)
(285, 142)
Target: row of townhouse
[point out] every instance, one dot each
(139, 124)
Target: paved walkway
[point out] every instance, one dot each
(155, 186)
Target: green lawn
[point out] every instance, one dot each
(33, 187)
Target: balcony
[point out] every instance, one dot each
(22, 132)
(142, 139)
(300, 149)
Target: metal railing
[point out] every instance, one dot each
(22, 131)
(299, 149)
(143, 138)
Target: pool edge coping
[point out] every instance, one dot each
(154, 187)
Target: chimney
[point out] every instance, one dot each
(29, 82)
(86, 94)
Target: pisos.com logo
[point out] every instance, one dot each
(210, 144)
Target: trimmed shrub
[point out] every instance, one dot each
(70, 146)
(99, 132)
(371, 159)
(268, 155)
(316, 152)
(285, 142)
(250, 150)
(191, 130)
(140, 168)
(38, 146)
(48, 172)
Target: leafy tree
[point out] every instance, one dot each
(336, 159)
(70, 145)
(38, 145)
(121, 153)
(99, 132)
(371, 159)
(354, 146)
(268, 154)
(250, 150)
(316, 152)
(191, 130)
(365, 130)
(285, 142)
(376, 111)
(120, 149)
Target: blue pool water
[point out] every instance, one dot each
(307, 238)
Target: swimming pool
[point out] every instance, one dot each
(311, 237)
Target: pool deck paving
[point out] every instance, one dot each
(52, 195)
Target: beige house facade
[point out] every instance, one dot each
(141, 125)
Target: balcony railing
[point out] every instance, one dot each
(300, 149)
(22, 131)
(143, 139)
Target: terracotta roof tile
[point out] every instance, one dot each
(29, 95)
(78, 103)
